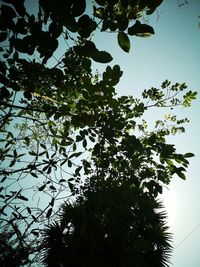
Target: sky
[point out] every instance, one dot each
(173, 54)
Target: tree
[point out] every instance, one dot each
(110, 224)
(12, 252)
(69, 125)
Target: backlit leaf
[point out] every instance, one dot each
(41, 188)
(102, 57)
(123, 41)
(141, 30)
(189, 155)
(22, 198)
(49, 212)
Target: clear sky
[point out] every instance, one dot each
(172, 53)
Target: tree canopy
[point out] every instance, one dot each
(67, 138)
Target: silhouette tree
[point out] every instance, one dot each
(13, 253)
(110, 224)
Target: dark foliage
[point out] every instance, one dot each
(110, 224)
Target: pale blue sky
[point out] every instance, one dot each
(173, 53)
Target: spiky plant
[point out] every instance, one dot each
(114, 226)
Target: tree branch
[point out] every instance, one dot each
(20, 107)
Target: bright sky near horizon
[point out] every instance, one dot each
(173, 54)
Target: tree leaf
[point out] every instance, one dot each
(141, 30)
(69, 163)
(49, 170)
(124, 3)
(123, 41)
(77, 171)
(152, 5)
(41, 188)
(8, 12)
(49, 212)
(86, 26)
(35, 233)
(22, 198)
(78, 7)
(52, 201)
(43, 146)
(64, 161)
(188, 155)
(29, 210)
(15, 153)
(181, 175)
(84, 143)
(169, 162)
(19, 7)
(33, 174)
(100, 2)
(62, 180)
(3, 179)
(71, 186)
(102, 57)
(52, 187)
(12, 163)
(79, 138)
(3, 36)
